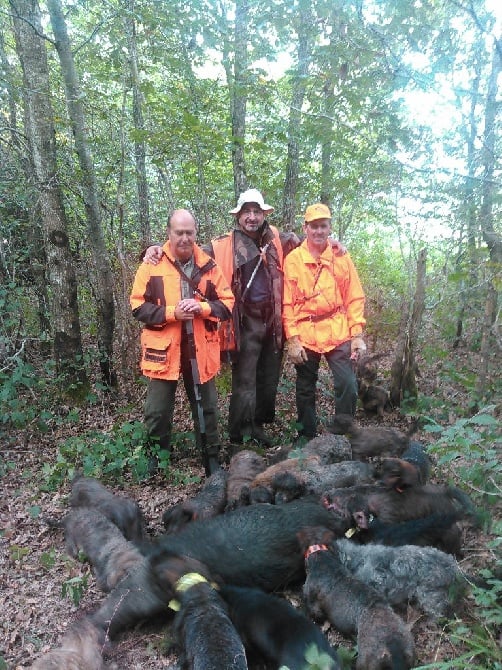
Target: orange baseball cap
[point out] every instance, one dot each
(317, 211)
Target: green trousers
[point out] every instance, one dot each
(159, 410)
(344, 382)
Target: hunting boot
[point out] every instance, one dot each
(259, 435)
(211, 461)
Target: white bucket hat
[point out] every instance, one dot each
(251, 195)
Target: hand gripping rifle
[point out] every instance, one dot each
(198, 397)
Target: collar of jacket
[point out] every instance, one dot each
(200, 257)
(326, 258)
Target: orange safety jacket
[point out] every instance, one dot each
(156, 292)
(231, 251)
(323, 299)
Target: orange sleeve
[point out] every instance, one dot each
(354, 299)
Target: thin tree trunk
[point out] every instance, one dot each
(139, 126)
(34, 241)
(127, 335)
(103, 278)
(305, 32)
(489, 340)
(471, 132)
(201, 210)
(404, 368)
(239, 95)
(67, 342)
(335, 71)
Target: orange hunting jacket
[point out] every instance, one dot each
(230, 252)
(154, 296)
(323, 300)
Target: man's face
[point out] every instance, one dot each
(182, 234)
(317, 233)
(251, 218)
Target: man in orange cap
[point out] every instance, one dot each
(323, 315)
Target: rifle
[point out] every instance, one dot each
(198, 397)
(263, 251)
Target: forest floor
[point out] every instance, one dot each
(34, 565)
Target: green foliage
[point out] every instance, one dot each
(34, 511)
(472, 446)
(6, 466)
(48, 559)
(469, 449)
(18, 387)
(480, 641)
(126, 450)
(489, 600)
(315, 660)
(223, 381)
(106, 456)
(74, 589)
(385, 281)
(478, 638)
(178, 477)
(31, 397)
(17, 553)
(347, 657)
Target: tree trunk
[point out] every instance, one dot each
(404, 368)
(201, 210)
(238, 91)
(31, 213)
(471, 132)
(305, 32)
(335, 72)
(139, 127)
(489, 340)
(103, 278)
(67, 342)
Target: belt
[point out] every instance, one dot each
(320, 317)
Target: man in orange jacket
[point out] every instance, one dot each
(323, 315)
(184, 292)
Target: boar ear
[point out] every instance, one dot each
(334, 503)
(361, 519)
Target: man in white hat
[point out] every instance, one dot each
(251, 257)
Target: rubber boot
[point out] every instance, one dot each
(211, 462)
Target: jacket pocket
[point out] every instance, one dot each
(156, 351)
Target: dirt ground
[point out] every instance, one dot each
(34, 565)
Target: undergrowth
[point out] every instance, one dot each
(465, 448)
(468, 451)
